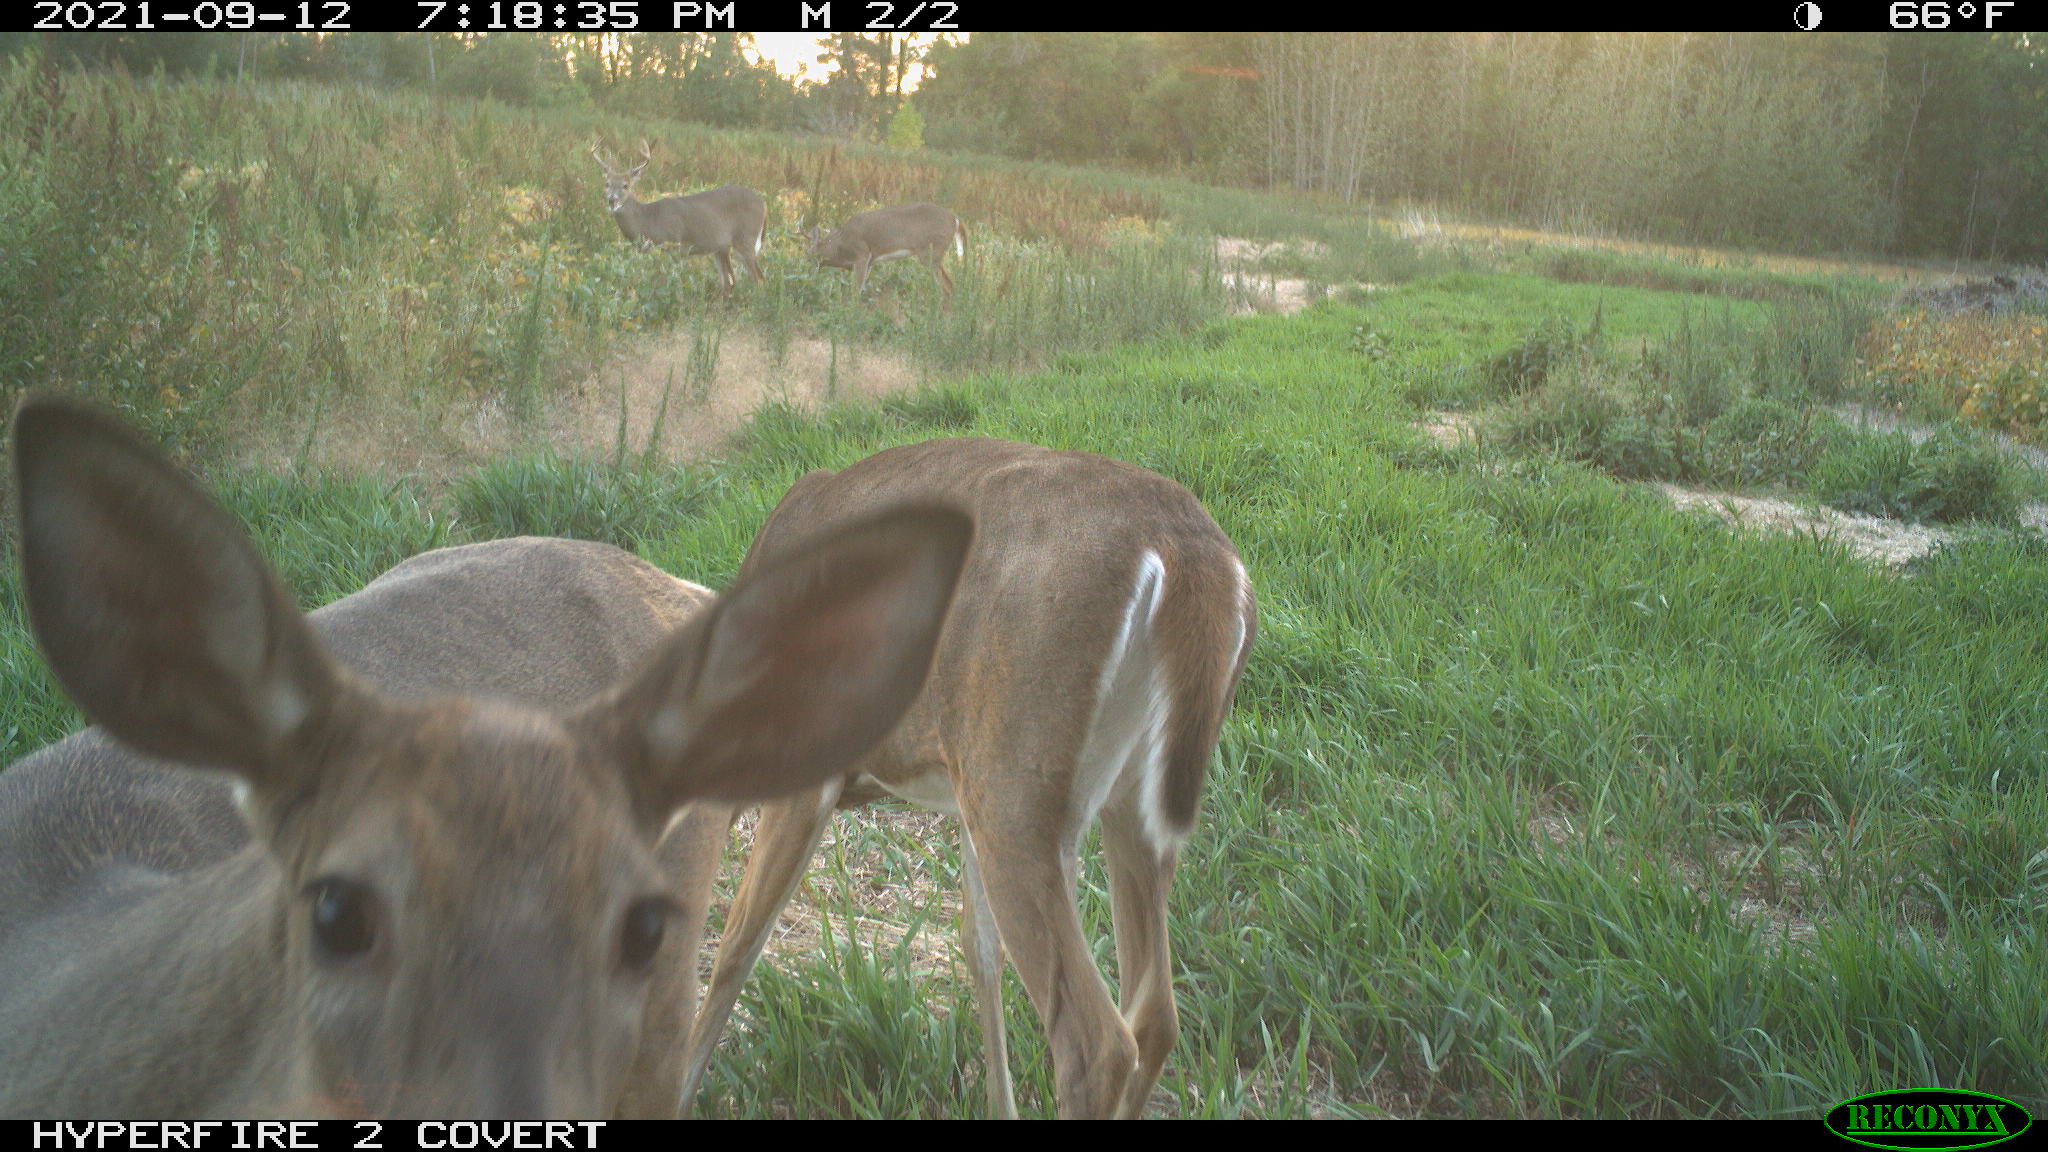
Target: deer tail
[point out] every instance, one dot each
(1203, 660)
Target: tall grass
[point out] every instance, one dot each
(203, 254)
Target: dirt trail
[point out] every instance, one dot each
(1875, 538)
(1263, 292)
(700, 417)
(582, 421)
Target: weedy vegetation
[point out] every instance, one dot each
(1540, 798)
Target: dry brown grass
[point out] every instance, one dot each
(582, 421)
(1452, 231)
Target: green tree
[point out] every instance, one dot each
(906, 127)
(1049, 95)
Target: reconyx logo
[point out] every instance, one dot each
(1928, 1119)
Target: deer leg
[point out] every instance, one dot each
(860, 274)
(751, 257)
(983, 946)
(724, 261)
(1140, 873)
(1030, 889)
(784, 838)
(936, 261)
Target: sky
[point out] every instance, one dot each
(791, 50)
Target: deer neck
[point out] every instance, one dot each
(631, 217)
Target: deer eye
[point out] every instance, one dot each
(640, 933)
(345, 918)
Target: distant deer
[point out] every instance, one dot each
(441, 848)
(719, 222)
(925, 231)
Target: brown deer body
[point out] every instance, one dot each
(422, 857)
(718, 223)
(1093, 647)
(925, 231)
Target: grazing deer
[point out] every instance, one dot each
(296, 872)
(1094, 644)
(719, 222)
(925, 231)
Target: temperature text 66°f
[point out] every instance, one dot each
(1935, 15)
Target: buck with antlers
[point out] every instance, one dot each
(1093, 647)
(720, 222)
(298, 872)
(925, 231)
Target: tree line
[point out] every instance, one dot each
(1906, 144)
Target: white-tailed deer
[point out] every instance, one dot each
(1094, 645)
(719, 222)
(294, 873)
(925, 231)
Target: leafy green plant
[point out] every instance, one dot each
(1952, 475)
(1554, 342)
(1762, 441)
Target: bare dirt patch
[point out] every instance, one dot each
(702, 413)
(1890, 542)
(582, 421)
(1449, 429)
(1258, 291)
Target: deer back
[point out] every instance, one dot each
(1081, 516)
(922, 229)
(716, 221)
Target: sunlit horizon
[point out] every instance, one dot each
(798, 54)
(792, 53)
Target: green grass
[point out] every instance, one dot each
(1540, 799)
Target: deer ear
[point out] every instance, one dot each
(154, 609)
(797, 671)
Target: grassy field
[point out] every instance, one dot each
(1540, 799)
